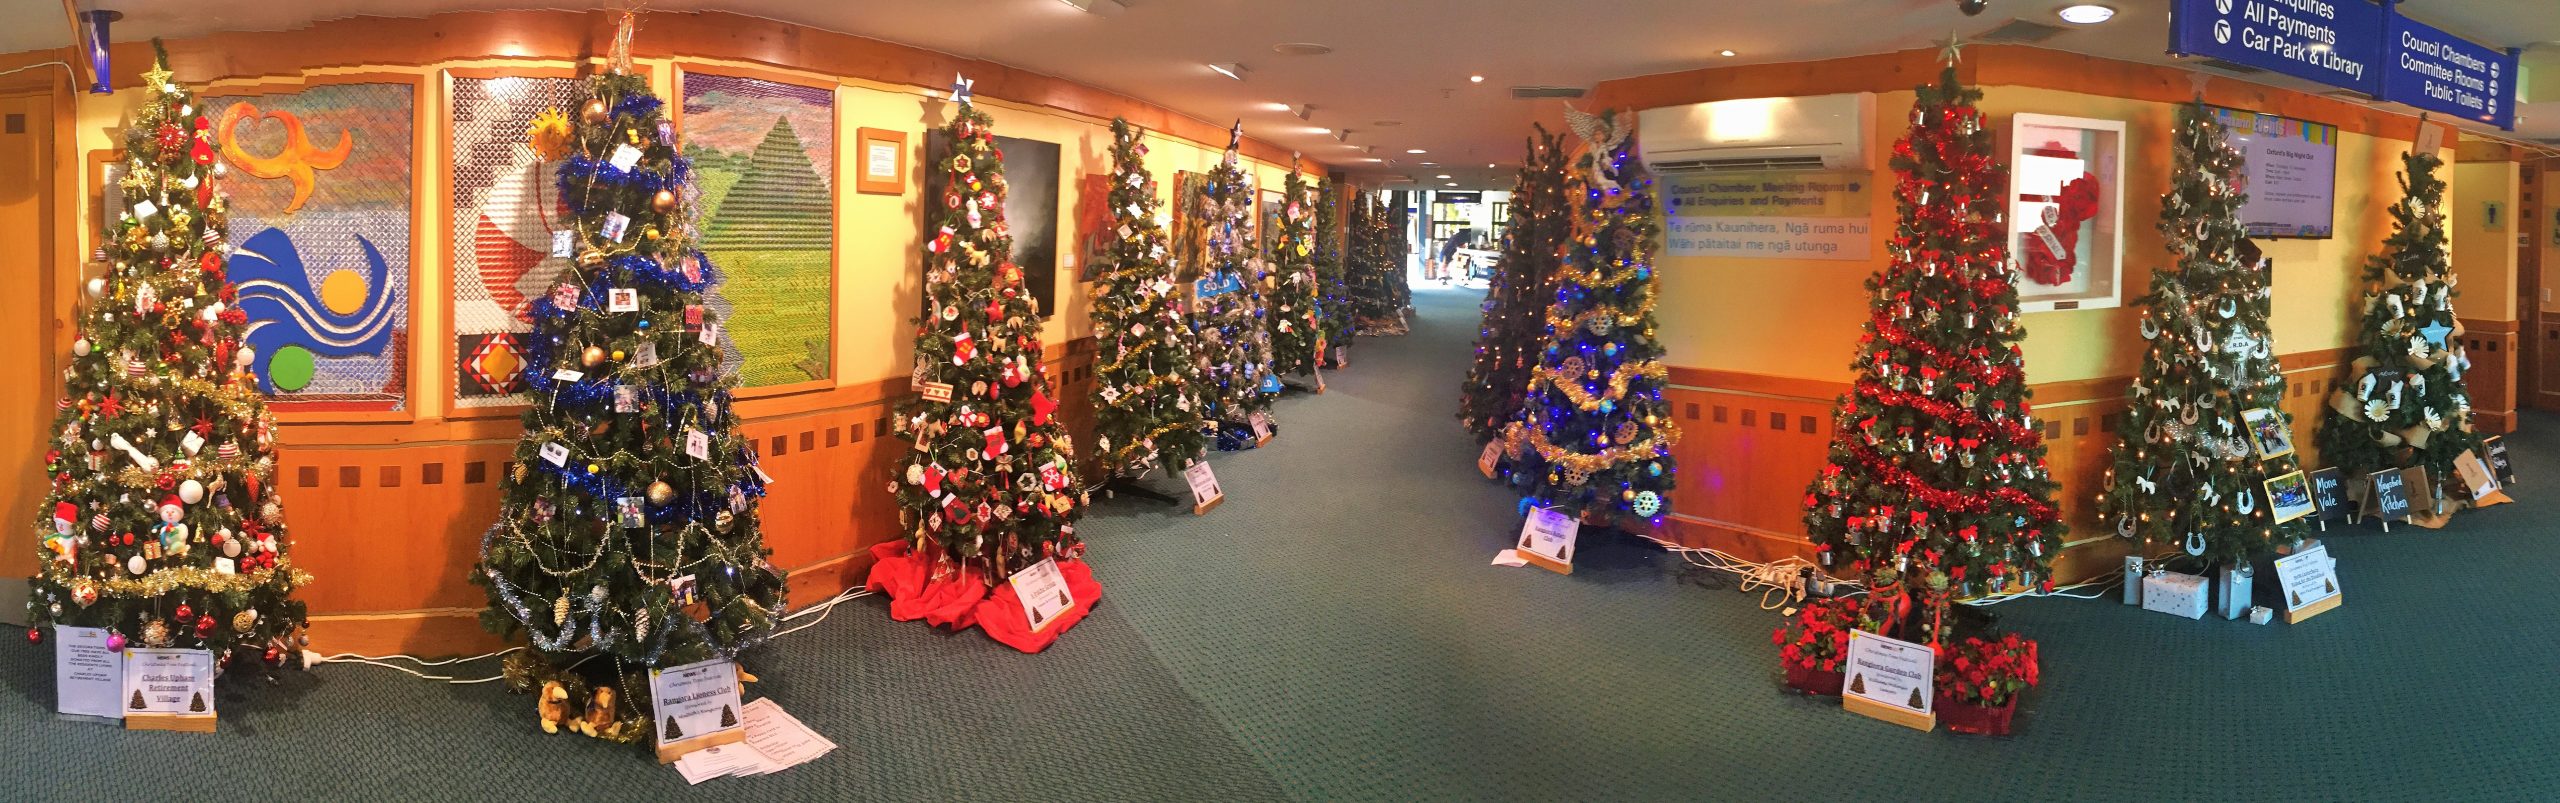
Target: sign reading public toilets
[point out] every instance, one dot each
(2437, 71)
(2334, 42)
(1769, 215)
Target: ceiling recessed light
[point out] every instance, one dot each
(1429, 164)
(1475, 79)
(1725, 53)
(1300, 49)
(1276, 106)
(2086, 14)
(1415, 150)
(1488, 165)
(1443, 175)
(1235, 71)
(1453, 183)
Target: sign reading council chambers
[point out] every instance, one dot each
(1769, 215)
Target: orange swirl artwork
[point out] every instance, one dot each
(296, 162)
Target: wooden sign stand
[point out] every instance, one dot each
(1547, 563)
(185, 723)
(669, 752)
(1916, 720)
(2314, 609)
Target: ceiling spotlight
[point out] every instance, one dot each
(1094, 6)
(1304, 112)
(1231, 70)
(1452, 184)
(1430, 164)
(1972, 8)
(1415, 150)
(2086, 14)
(1342, 136)
(1488, 165)
(1475, 79)
(1725, 53)
(1443, 175)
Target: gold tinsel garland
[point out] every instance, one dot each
(160, 583)
(1571, 386)
(1533, 436)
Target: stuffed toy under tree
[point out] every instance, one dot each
(1297, 320)
(1515, 305)
(2404, 403)
(2187, 471)
(1594, 436)
(628, 528)
(162, 525)
(1227, 311)
(1936, 478)
(989, 488)
(1146, 390)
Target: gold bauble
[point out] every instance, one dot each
(617, 355)
(245, 621)
(664, 201)
(661, 493)
(595, 112)
(593, 355)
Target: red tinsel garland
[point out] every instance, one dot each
(2017, 434)
(1889, 474)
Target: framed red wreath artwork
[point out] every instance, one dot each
(2066, 211)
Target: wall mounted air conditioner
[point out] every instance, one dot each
(1820, 132)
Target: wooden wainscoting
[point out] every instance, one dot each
(2491, 381)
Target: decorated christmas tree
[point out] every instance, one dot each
(1594, 435)
(2188, 470)
(1227, 311)
(990, 486)
(1332, 280)
(1146, 376)
(162, 524)
(1515, 305)
(2404, 403)
(1297, 325)
(1936, 465)
(628, 527)
(1375, 275)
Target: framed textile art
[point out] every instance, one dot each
(320, 179)
(505, 206)
(763, 156)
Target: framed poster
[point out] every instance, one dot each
(2290, 173)
(2269, 430)
(884, 161)
(321, 189)
(2289, 497)
(505, 212)
(1030, 207)
(763, 152)
(1189, 231)
(2066, 211)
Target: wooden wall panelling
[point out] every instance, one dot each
(2490, 382)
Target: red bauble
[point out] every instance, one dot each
(185, 613)
(274, 656)
(204, 626)
(35, 635)
(128, 539)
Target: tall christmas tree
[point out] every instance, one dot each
(1594, 435)
(1514, 307)
(990, 484)
(2405, 404)
(632, 482)
(1332, 281)
(1227, 313)
(1937, 470)
(162, 524)
(1297, 325)
(2186, 470)
(1146, 393)
(1375, 307)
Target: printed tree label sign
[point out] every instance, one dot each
(1890, 679)
(1491, 457)
(1205, 493)
(2479, 479)
(2328, 490)
(1042, 590)
(696, 707)
(1548, 537)
(88, 678)
(1261, 426)
(168, 690)
(2495, 447)
(2309, 580)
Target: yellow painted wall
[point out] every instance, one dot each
(1799, 318)
(878, 237)
(2484, 255)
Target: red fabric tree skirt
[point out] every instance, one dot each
(1001, 614)
(960, 599)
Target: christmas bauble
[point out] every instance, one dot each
(115, 642)
(137, 565)
(185, 612)
(84, 592)
(245, 621)
(723, 520)
(664, 201)
(80, 347)
(661, 493)
(204, 625)
(595, 112)
(246, 356)
(97, 287)
(591, 356)
(191, 491)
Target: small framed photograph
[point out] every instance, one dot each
(883, 155)
(2289, 497)
(2269, 431)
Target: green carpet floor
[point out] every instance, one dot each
(1334, 633)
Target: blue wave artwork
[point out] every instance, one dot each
(294, 322)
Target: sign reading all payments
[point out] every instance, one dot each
(2333, 42)
(1769, 215)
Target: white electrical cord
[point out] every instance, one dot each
(1780, 581)
(311, 660)
(66, 67)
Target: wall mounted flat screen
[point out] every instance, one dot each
(2291, 176)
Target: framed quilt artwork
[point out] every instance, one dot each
(764, 174)
(320, 181)
(505, 208)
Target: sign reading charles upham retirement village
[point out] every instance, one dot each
(2356, 45)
